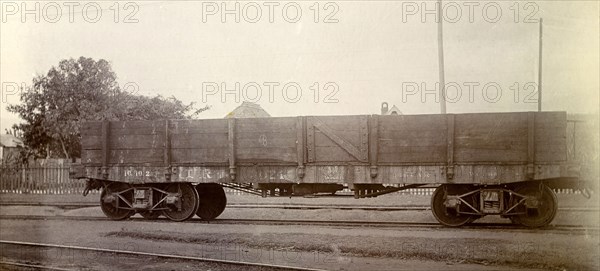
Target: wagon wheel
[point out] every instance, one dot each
(546, 210)
(150, 215)
(447, 216)
(188, 205)
(212, 200)
(112, 206)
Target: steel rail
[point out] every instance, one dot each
(34, 266)
(161, 255)
(287, 206)
(332, 223)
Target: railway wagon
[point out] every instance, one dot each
(482, 163)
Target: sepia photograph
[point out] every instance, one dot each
(300, 135)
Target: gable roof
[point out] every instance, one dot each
(394, 109)
(248, 110)
(10, 141)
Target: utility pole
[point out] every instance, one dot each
(540, 70)
(441, 59)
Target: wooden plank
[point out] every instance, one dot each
(322, 140)
(341, 141)
(138, 131)
(408, 142)
(123, 156)
(124, 142)
(267, 124)
(91, 128)
(429, 134)
(551, 154)
(412, 122)
(340, 123)
(256, 140)
(256, 155)
(199, 141)
(200, 156)
(412, 155)
(497, 137)
(137, 124)
(332, 154)
(199, 126)
(494, 155)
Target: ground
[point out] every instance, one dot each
(327, 247)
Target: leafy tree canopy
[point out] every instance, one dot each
(76, 91)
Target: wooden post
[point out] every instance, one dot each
(231, 141)
(450, 143)
(531, 145)
(300, 146)
(310, 139)
(373, 145)
(167, 152)
(105, 148)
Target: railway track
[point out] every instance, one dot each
(329, 223)
(284, 206)
(140, 254)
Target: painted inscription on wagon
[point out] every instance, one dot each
(200, 174)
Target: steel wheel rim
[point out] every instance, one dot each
(212, 201)
(111, 211)
(189, 202)
(439, 210)
(548, 208)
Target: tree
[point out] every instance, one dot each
(75, 91)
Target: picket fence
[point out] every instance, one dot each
(52, 179)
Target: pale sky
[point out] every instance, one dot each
(369, 52)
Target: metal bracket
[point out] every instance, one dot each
(104, 173)
(530, 171)
(300, 172)
(374, 171)
(450, 172)
(168, 173)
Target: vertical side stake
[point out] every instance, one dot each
(300, 147)
(231, 141)
(450, 143)
(167, 152)
(373, 145)
(105, 148)
(530, 145)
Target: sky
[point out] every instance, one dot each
(316, 58)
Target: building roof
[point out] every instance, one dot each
(248, 110)
(394, 111)
(10, 141)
